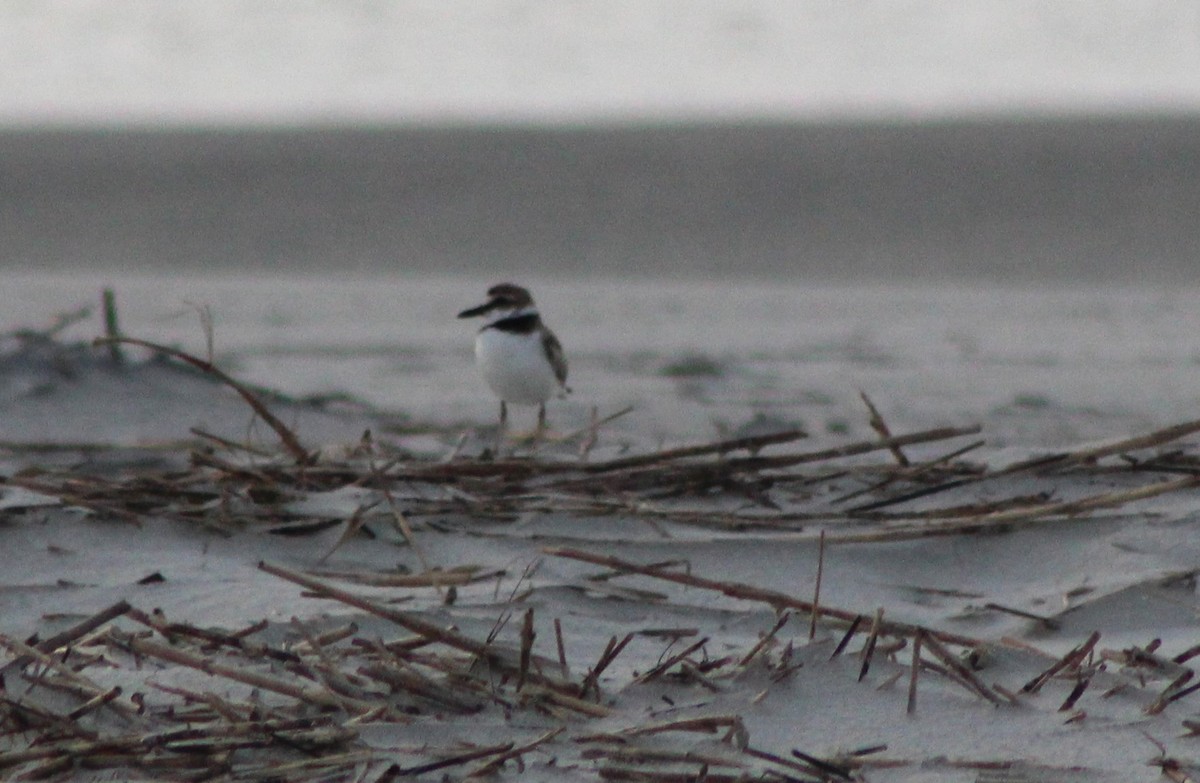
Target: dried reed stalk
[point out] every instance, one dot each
(66, 637)
(286, 436)
(746, 592)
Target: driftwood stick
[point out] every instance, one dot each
(868, 649)
(562, 651)
(747, 592)
(880, 426)
(848, 635)
(816, 601)
(765, 640)
(592, 679)
(450, 577)
(651, 468)
(1039, 514)
(404, 619)
(590, 433)
(709, 724)
(665, 666)
(309, 694)
(418, 625)
(854, 449)
(97, 701)
(1093, 453)
(1167, 696)
(1069, 661)
(919, 470)
(51, 663)
(75, 632)
(918, 641)
(494, 764)
(433, 766)
(1077, 692)
(959, 668)
(112, 328)
(527, 637)
(1052, 462)
(751, 444)
(286, 436)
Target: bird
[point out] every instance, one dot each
(520, 358)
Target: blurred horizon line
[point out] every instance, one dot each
(613, 121)
(1096, 198)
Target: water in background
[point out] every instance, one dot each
(1088, 200)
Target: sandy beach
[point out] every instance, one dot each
(882, 461)
(611, 606)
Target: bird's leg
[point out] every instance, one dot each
(503, 426)
(541, 424)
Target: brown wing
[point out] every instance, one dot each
(554, 353)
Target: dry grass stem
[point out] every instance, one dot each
(286, 436)
(746, 592)
(298, 700)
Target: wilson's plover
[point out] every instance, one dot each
(520, 358)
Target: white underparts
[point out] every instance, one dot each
(515, 366)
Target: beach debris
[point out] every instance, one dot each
(294, 699)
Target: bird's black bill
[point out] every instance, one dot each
(483, 309)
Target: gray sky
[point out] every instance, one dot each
(270, 61)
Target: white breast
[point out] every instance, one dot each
(515, 366)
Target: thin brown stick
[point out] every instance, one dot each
(1075, 694)
(527, 637)
(590, 432)
(112, 328)
(562, 650)
(765, 640)
(1040, 514)
(816, 601)
(918, 641)
(665, 666)
(51, 663)
(868, 649)
(1048, 622)
(751, 444)
(97, 701)
(1069, 661)
(313, 695)
(611, 651)
(911, 474)
(451, 761)
(847, 636)
(1054, 461)
(75, 632)
(751, 593)
(1169, 693)
(955, 665)
(420, 626)
(592, 435)
(879, 425)
(709, 724)
(456, 576)
(1125, 445)
(290, 442)
(854, 449)
(495, 764)
(353, 525)
(821, 766)
(1179, 694)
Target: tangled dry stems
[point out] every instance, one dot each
(294, 710)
